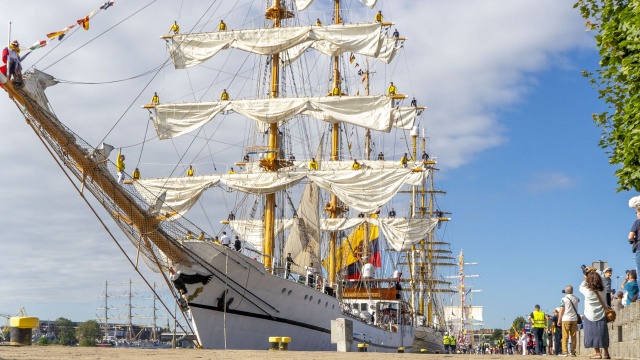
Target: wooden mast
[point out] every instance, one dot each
(146, 222)
(332, 207)
(275, 13)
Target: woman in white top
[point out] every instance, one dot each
(596, 333)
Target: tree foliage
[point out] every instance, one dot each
(518, 324)
(64, 331)
(43, 341)
(497, 334)
(88, 333)
(617, 27)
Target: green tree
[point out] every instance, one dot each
(88, 333)
(518, 324)
(64, 331)
(43, 341)
(617, 27)
(497, 334)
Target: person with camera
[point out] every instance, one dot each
(630, 284)
(596, 333)
(568, 320)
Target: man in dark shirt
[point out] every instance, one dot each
(237, 244)
(392, 214)
(289, 261)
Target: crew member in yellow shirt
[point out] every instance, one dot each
(155, 100)
(232, 171)
(313, 165)
(356, 165)
(222, 26)
(224, 96)
(190, 171)
(175, 28)
(378, 17)
(136, 174)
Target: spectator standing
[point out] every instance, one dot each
(537, 320)
(557, 332)
(596, 332)
(634, 238)
(568, 319)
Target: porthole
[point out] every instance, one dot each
(333, 306)
(326, 304)
(284, 290)
(319, 301)
(289, 293)
(306, 297)
(310, 297)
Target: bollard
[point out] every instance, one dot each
(401, 349)
(284, 343)
(274, 343)
(362, 347)
(21, 328)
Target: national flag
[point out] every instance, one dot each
(349, 253)
(38, 45)
(60, 34)
(84, 22)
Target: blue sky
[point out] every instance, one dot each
(509, 119)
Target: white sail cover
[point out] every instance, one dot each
(401, 234)
(364, 190)
(181, 192)
(304, 4)
(264, 183)
(370, 112)
(252, 231)
(365, 39)
(453, 313)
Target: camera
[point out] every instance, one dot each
(584, 269)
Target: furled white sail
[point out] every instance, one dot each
(370, 112)
(401, 234)
(252, 231)
(304, 4)
(365, 39)
(181, 192)
(364, 190)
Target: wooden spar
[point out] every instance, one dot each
(146, 223)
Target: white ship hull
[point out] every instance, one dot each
(429, 339)
(260, 305)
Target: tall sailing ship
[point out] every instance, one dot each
(324, 209)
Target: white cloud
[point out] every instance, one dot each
(549, 181)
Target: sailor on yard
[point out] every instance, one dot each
(224, 96)
(120, 166)
(222, 26)
(175, 28)
(378, 18)
(190, 171)
(313, 165)
(155, 100)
